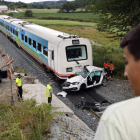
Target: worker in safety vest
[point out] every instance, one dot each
(49, 91)
(111, 70)
(106, 68)
(19, 87)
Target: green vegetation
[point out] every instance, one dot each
(28, 13)
(48, 11)
(82, 17)
(25, 121)
(42, 10)
(122, 15)
(67, 7)
(60, 22)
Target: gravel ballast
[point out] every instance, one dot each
(115, 91)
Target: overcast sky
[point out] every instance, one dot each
(29, 1)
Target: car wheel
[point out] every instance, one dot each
(83, 86)
(104, 82)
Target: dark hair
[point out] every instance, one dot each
(110, 61)
(132, 41)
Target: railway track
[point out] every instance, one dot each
(95, 104)
(88, 99)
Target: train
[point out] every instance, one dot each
(62, 53)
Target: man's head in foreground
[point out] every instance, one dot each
(131, 49)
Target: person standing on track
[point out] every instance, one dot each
(106, 66)
(121, 121)
(19, 87)
(111, 70)
(49, 91)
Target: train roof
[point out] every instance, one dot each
(43, 32)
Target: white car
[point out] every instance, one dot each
(91, 76)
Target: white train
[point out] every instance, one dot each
(62, 53)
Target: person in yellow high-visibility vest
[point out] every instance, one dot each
(19, 87)
(49, 91)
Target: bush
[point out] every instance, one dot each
(10, 14)
(26, 121)
(28, 13)
(109, 53)
(48, 7)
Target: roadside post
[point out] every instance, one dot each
(10, 78)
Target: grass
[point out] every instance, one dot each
(52, 14)
(41, 10)
(46, 10)
(60, 22)
(25, 121)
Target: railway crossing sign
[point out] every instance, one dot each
(9, 62)
(9, 74)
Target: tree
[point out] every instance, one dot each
(67, 6)
(121, 14)
(28, 13)
(48, 7)
(80, 3)
(11, 6)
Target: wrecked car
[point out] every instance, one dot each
(90, 77)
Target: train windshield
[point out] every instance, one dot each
(76, 53)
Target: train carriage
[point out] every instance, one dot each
(62, 53)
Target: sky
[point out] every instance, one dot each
(29, 1)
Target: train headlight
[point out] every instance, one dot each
(69, 69)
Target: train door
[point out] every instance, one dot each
(51, 56)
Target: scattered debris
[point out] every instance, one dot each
(63, 93)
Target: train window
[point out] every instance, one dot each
(76, 53)
(26, 39)
(34, 44)
(39, 47)
(30, 41)
(45, 51)
(8, 27)
(22, 36)
(16, 33)
(11, 30)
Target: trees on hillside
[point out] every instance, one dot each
(122, 14)
(28, 13)
(17, 5)
(80, 3)
(67, 7)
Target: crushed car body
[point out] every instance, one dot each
(91, 76)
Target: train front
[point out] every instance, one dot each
(73, 55)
